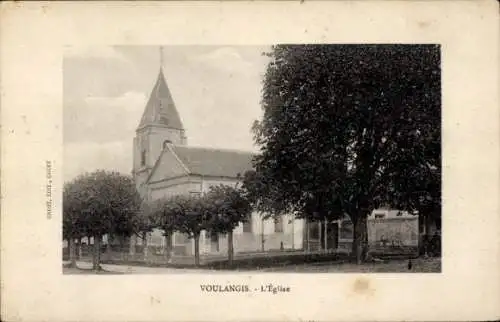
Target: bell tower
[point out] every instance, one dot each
(160, 124)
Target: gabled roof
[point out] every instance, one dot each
(201, 161)
(160, 108)
(214, 162)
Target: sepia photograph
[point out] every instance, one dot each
(249, 161)
(303, 158)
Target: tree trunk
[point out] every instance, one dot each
(96, 265)
(72, 253)
(325, 235)
(230, 248)
(121, 245)
(79, 248)
(307, 236)
(132, 241)
(197, 250)
(168, 246)
(145, 245)
(360, 238)
(262, 239)
(108, 246)
(428, 222)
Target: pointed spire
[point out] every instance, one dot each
(160, 109)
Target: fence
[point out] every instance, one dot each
(387, 236)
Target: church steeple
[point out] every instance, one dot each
(160, 108)
(160, 124)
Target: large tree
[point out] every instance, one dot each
(343, 126)
(103, 202)
(229, 208)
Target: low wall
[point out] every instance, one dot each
(387, 235)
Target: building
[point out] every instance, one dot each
(165, 165)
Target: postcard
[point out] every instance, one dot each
(256, 161)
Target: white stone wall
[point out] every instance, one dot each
(291, 236)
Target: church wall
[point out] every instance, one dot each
(157, 137)
(263, 234)
(177, 186)
(291, 236)
(215, 181)
(173, 170)
(151, 140)
(180, 189)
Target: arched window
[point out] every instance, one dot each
(165, 143)
(143, 158)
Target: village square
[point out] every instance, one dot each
(345, 177)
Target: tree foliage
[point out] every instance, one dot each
(228, 206)
(348, 128)
(184, 213)
(99, 203)
(106, 202)
(162, 214)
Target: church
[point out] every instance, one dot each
(165, 165)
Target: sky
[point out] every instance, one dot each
(216, 89)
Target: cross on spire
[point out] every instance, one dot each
(161, 57)
(158, 88)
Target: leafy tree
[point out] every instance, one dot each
(189, 215)
(347, 128)
(71, 226)
(229, 208)
(160, 215)
(104, 202)
(143, 224)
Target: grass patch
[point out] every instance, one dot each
(261, 262)
(86, 271)
(419, 265)
(287, 261)
(249, 263)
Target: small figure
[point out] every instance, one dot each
(410, 265)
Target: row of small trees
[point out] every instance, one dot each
(218, 211)
(107, 203)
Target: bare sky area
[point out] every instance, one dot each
(217, 91)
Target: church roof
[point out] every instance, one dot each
(214, 162)
(208, 162)
(160, 108)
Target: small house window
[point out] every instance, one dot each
(278, 224)
(143, 158)
(379, 216)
